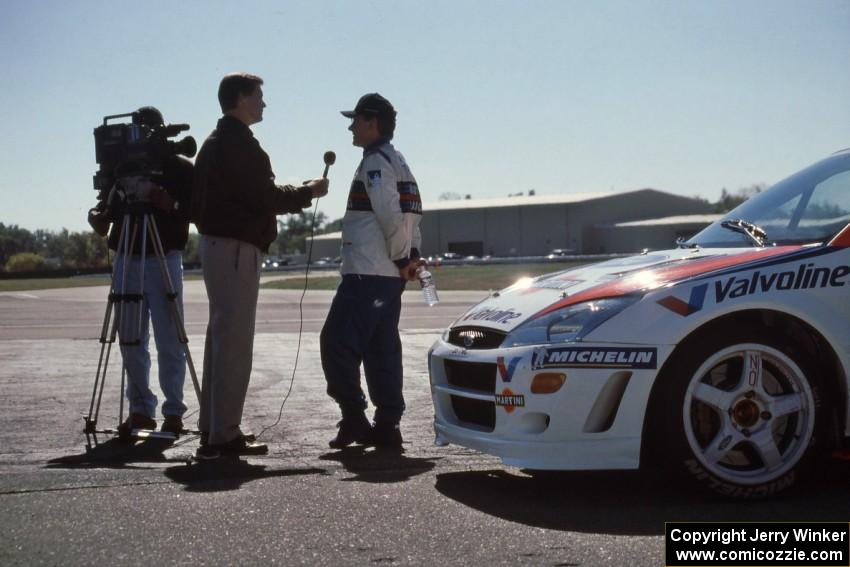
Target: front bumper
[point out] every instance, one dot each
(483, 400)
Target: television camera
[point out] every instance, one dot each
(131, 155)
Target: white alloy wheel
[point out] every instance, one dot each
(748, 414)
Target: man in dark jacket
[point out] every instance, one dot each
(235, 203)
(169, 196)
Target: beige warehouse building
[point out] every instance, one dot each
(653, 234)
(534, 225)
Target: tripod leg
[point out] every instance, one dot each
(107, 338)
(125, 267)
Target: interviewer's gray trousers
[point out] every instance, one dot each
(232, 278)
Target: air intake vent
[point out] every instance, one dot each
(479, 376)
(475, 412)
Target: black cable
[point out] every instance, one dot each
(300, 322)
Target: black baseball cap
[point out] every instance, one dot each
(371, 104)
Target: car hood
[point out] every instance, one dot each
(529, 298)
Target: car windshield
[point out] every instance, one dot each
(811, 206)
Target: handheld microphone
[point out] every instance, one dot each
(330, 158)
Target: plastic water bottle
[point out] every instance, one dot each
(429, 290)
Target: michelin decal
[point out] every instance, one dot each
(594, 357)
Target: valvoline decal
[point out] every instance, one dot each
(506, 371)
(805, 276)
(679, 271)
(493, 315)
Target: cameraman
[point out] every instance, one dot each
(169, 197)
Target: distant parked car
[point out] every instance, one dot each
(272, 262)
(558, 252)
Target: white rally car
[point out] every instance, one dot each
(726, 359)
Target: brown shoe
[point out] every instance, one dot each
(205, 438)
(172, 424)
(136, 421)
(237, 447)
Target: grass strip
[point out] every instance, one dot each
(458, 277)
(34, 284)
(449, 278)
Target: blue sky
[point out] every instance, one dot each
(494, 97)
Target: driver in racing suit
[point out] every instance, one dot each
(380, 253)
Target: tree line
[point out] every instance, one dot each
(22, 250)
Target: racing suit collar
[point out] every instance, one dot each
(375, 145)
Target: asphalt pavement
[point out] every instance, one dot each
(303, 504)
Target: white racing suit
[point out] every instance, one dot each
(380, 233)
(380, 228)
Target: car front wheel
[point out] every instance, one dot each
(742, 416)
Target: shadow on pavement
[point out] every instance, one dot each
(117, 453)
(377, 465)
(634, 503)
(227, 474)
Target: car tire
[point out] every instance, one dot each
(741, 413)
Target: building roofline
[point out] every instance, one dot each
(532, 200)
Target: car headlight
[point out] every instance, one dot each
(569, 324)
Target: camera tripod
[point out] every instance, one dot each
(125, 312)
